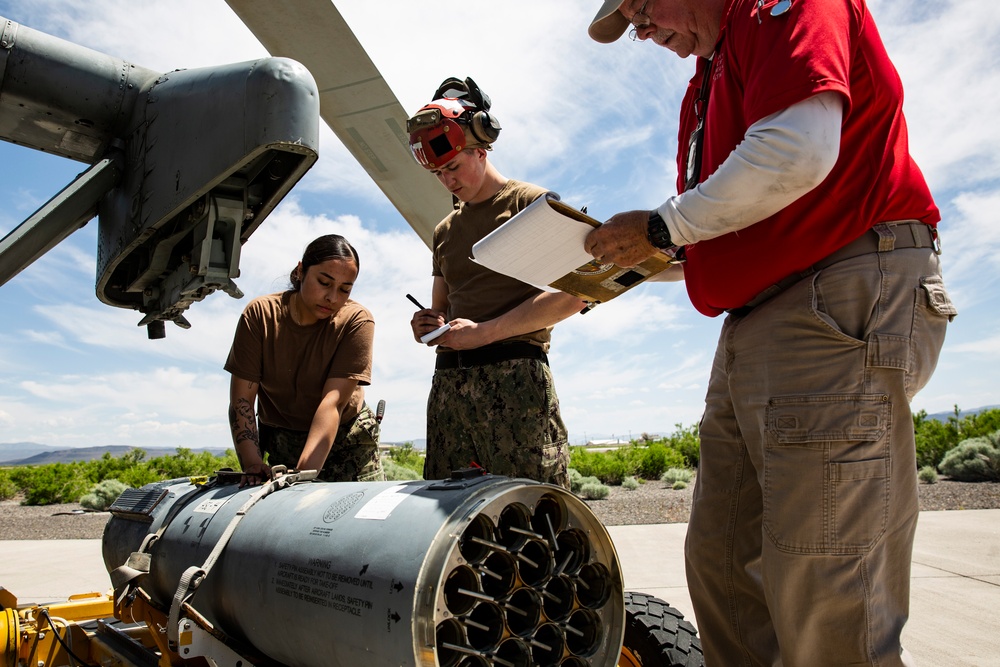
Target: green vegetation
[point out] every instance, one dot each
(974, 460)
(54, 483)
(406, 456)
(935, 439)
(93, 483)
(677, 478)
(8, 489)
(963, 448)
(398, 473)
(594, 490)
(928, 475)
(104, 495)
(630, 483)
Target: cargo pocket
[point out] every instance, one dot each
(933, 310)
(826, 472)
(555, 462)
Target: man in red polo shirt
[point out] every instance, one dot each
(802, 215)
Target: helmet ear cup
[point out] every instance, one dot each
(485, 127)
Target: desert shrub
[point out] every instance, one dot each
(974, 460)
(594, 490)
(613, 466)
(396, 472)
(575, 479)
(52, 484)
(657, 458)
(610, 467)
(185, 463)
(928, 475)
(686, 441)
(933, 439)
(103, 495)
(674, 475)
(630, 483)
(8, 489)
(407, 456)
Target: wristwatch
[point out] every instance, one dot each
(657, 232)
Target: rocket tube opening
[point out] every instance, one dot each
(573, 661)
(572, 551)
(558, 598)
(460, 590)
(583, 632)
(513, 526)
(474, 661)
(499, 574)
(549, 517)
(448, 637)
(593, 585)
(475, 538)
(547, 645)
(523, 609)
(484, 626)
(534, 562)
(513, 652)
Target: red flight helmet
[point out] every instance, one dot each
(437, 131)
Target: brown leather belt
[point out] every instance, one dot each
(489, 354)
(883, 237)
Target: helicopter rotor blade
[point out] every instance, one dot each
(355, 100)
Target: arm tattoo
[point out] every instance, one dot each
(243, 424)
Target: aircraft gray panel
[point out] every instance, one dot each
(355, 100)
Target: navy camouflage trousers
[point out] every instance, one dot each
(503, 417)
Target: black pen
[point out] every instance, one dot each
(415, 302)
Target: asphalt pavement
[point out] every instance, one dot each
(954, 608)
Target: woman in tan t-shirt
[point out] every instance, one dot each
(303, 356)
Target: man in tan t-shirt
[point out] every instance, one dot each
(492, 402)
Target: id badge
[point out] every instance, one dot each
(693, 169)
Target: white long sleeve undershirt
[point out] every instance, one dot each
(782, 157)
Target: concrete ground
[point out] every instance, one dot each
(955, 599)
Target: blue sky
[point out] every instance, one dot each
(595, 123)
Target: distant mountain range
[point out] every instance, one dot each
(944, 416)
(33, 453)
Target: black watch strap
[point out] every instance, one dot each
(657, 232)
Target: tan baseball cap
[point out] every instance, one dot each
(609, 24)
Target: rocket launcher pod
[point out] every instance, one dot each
(466, 572)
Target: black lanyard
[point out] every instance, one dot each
(696, 140)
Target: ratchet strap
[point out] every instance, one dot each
(195, 575)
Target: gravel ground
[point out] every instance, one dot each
(649, 504)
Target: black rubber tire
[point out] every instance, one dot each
(656, 635)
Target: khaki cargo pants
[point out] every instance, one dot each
(799, 544)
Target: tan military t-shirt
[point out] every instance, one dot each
(475, 292)
(293, 362)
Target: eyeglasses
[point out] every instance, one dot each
(639, 21)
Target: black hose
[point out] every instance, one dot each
(80, 661)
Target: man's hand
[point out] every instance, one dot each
(465, 335)
(621, 240)
(425, 321)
